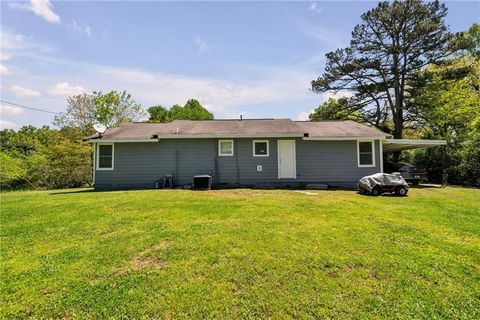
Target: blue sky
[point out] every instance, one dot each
(249, 58)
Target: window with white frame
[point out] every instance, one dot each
(105, 156)
(366, 153)
(260, 148)
(225, 147)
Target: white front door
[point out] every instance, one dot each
(286, 159)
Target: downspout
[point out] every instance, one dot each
(217, 173)
(176, 178)
(235, 144)
(94, 163)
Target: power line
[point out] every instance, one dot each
(29, 108)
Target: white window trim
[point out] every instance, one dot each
(261, 141)
(98, 155)
(373, 154)
(220, 154)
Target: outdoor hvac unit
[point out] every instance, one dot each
(202, 182)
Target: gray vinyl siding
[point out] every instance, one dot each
(332, 161)
(140, 165)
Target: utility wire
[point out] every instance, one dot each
(29, 108)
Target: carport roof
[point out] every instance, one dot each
(393, 145)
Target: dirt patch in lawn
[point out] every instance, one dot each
(152, 258)
(162, 245)
(148, 262)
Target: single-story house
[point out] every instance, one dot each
(253, 152)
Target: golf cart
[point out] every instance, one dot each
(381, 183)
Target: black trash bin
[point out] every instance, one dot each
(202, 182)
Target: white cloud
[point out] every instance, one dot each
(303, 116)
(4, 56)
(10, 40)
(65, 89)
(326, 35)
(10, 110)
(219, 96)
(42, 8)
(324, 96)
(22, 92)
(201, 45)
(4, 124)
(4, 70)
(329, 36)
(261, 86)
(314, 7)
(82, 28)
(18, 44)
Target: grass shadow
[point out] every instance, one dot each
(72, 192)
(425, 186)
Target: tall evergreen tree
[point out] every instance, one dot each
(392, 43)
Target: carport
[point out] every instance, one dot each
(397, 145)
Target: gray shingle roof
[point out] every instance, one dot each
(239, 128)
(339, 129)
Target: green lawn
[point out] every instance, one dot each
(240, 254)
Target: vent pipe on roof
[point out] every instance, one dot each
(177, 130)
(241, 117)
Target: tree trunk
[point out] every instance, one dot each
(397, 131)
(398, 125)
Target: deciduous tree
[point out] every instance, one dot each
(447, 100)
(192, 110)
(113, 108)
(110, 109)
(334, 109)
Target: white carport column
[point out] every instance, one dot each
(94, 162)
(381, 154)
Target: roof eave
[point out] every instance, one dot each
(346, 138)
(121, 140)
(222, 136)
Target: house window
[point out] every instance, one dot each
(225, 147)
(105, 156)
(260, 148)
(366, 154)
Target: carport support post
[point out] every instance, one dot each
(94, 157)
(444, 171)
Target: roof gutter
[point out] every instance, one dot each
(345, 138)
(203, 136)
(121, 140)
(415, 142)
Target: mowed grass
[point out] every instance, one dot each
(234, 254)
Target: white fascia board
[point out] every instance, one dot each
(414, 142)
(228, 136)
(344, 138)
(120, 140)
